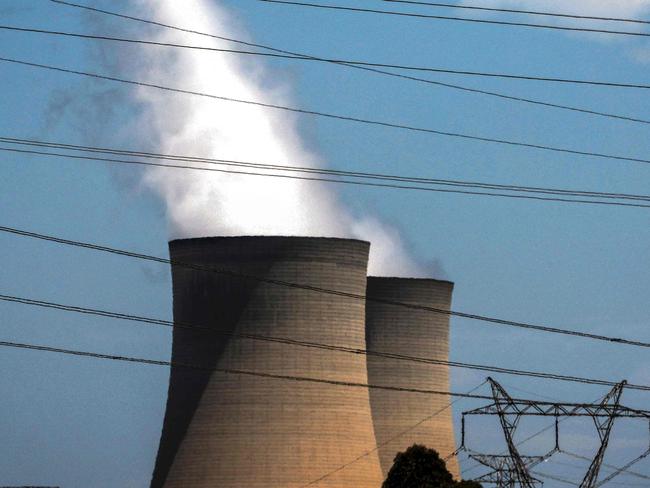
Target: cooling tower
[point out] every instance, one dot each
(240, 431)
(399, 330)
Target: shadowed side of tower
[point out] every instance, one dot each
(400, 330)
(240, 431)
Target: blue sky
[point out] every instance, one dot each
(79, 422)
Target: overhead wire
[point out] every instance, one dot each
(333, 171)
(307, 344)
(131, 359)
(573, 483)
(618, 472)
(97, 37)
(354, 296)
(342, 8)
(363, 68)
(390, 439)
(152, 362)
(240, 372)
(357, 182)
(333, 116)
(465, 6)
(611, 466)
(176, 364)
(328, 171)
(555, 478)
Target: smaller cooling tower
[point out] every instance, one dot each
(400, 330)
(243, 431)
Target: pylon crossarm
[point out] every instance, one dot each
(502, 479)
(503, 461)
(562, 410)
(499, 478)
(495, 462)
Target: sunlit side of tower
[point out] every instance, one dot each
(401, 330)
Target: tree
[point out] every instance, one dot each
(420, 467)
(468, 484)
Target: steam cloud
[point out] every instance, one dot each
(205, 203)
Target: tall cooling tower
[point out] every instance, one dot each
(240, 431)
(401, 330)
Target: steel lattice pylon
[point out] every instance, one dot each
(513, 469)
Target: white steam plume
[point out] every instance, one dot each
(203, 203)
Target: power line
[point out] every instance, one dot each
(353, 182)
(154, 362)
(347, 118)
(363, 68)
(555, 478)
(370, 175)
(329, 60)
(341, 8)
(354, 296)
(573, 483)
(611, 466)
(388, 177)
(306, 344)
(130, 359)
(391, 439)
(175, 364)
(513, 11)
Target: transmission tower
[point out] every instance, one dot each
(514, 469)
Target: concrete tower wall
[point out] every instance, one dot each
(400, 330)
(238, 431)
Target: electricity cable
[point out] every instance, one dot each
(152, 362)
(611, 466)
(306, 344)
(356, 174)
(391, 439)
(331, 60)
(333, 116)
(354, 296)
(513, 11)
(155, 362)
(573, 483)
(342, 181)
(342, 8)
(316, 170)
(555, 478)
(618, 472)
(175, 364)
(363, 68)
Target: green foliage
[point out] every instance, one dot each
(420, 467)
(468, 484)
